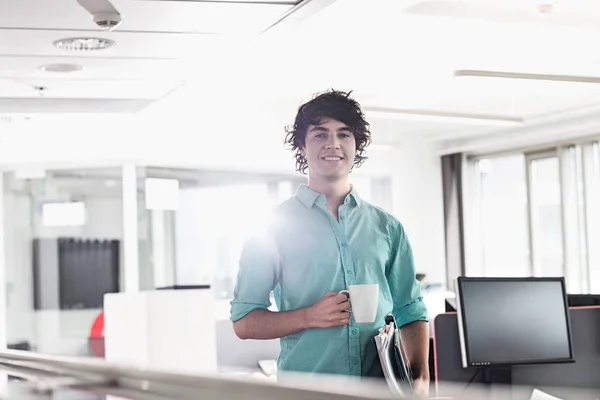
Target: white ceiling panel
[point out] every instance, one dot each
(144, 16)
(160, 45)
(86, 88)
(130, 45)
(579, 13)
(71, 106)
(390, 56)
(27, 67)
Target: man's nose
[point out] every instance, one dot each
(333, 143)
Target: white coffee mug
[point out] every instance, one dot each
(364, 300)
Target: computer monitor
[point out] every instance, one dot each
(583, 300)
(513, 321)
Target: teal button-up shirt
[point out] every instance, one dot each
(304, 253)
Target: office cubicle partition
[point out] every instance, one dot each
(583, 373)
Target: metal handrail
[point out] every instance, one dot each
(98, 375)
(49, 372)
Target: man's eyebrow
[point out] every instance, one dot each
(318, 128)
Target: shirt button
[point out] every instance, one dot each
(355, 331)
(344, 245)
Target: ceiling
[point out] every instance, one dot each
(244, 67)
(159, 46)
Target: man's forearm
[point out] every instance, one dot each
(416, 342)
(265, 324)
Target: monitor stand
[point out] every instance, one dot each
(498, 379)
(497, 375)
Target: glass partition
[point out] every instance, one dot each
(63, 240)
(65, 244)
(193, 223)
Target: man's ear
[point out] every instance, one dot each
(303, 151)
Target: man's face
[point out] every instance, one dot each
(330, 149)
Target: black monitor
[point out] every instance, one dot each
(513, 321)
(583, 300)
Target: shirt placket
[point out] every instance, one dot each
(355, 367)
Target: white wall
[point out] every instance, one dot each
(50, 331)
(418, 203)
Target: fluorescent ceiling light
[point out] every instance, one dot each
(519, 75)
(63, 214)
(443, 116)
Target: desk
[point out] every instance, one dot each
(584, 373)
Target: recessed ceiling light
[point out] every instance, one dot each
(545, 9)
(84, 44)
(61, 68)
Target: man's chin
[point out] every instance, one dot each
(334, 177)
(331, 175)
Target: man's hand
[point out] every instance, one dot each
(421, 388)
(330, 310)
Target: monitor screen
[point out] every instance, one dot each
(511, 321)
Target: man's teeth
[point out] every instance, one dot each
(332, 158)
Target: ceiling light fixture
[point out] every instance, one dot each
(545, 9)
(61, 68)
(518, 75)
(444, 116)
(84, 44)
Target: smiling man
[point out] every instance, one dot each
(322, 240)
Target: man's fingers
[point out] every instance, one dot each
(343, 306)
(330, 294)
(341, 298)
(339, 322)
(338, 315)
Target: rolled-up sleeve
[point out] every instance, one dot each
(404, 286)
(257, 277)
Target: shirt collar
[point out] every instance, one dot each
(309, 197)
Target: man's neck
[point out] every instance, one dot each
(335, 192)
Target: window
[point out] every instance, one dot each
(536, 214)
(503, 234)
(546, 215)
(591, 189)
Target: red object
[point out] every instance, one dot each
(97, 330)
(96, 338)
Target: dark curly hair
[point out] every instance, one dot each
(332, 104)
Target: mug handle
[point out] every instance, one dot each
(347, 293)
